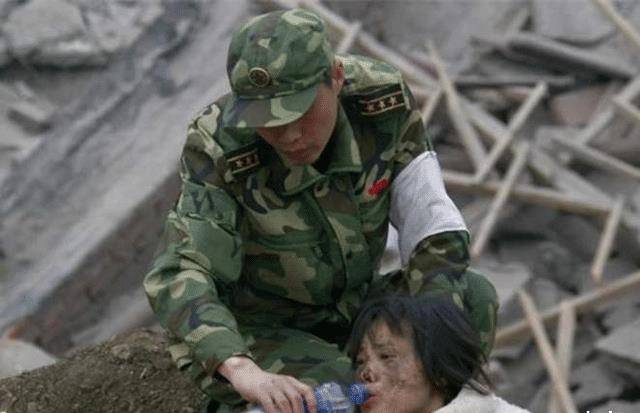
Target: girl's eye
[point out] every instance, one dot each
(359, 362)
(387, 356)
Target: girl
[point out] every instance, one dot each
(420, 355)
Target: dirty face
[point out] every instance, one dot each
(301, 142)
(393, 373)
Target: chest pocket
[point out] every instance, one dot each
(285, 249)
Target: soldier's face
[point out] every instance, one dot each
(389, 365)
(301, 142)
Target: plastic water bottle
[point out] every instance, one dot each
(333, 398)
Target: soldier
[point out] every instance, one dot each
(289, 184)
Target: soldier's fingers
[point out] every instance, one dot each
(268, 404)
(307, 394)
(295, 398)
(282, 402)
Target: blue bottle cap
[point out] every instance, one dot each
(358, 393)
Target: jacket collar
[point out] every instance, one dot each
(345, 157)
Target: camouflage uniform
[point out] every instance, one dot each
(271, 261)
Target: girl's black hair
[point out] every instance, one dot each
(443, 339)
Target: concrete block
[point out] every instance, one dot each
(576, 108)
(56, 35)
(32, 115)
(576, 21)
(545, 259)
(593, 382)
(621, 349)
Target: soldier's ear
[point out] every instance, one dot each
(337, 76)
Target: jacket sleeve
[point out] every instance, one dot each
(199, 258)
(433, 237)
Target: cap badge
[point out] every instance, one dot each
(259, 77)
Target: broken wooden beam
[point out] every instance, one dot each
(472, 81)
(516, 167)
(534, 48)
(625, 27)
(513, 128)
(558, 380)
(430, 105)
(604, 118)
(564, 349)
(606, 241)
(550, 198)
(349, 38)
(542, 164)
(627, 109)
(582, 304)
(468, 135)
(597, 158)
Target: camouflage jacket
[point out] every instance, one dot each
(253, 240)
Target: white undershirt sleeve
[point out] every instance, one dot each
(420, 206)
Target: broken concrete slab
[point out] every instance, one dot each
(56, 35)
(593, 382)
(576, 107)
(117, 25)
(105, 228)
(546, 293)
(577, 21)
(32, 115)
(17, 356)
(545, 259)
(621, 349)
(579, 234)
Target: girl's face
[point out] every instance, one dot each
(393, 373)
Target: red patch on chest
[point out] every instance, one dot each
(378, 186)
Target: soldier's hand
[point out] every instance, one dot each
(276, 393)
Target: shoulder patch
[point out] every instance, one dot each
(382, 101)
(243, 160)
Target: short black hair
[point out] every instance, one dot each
(442, 335)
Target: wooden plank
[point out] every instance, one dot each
(582, 304)
(513, 128)
(558, 381)
(349, 37)
(541, 163)
(627, 109)
(550, 198)
(564, 349)
(461, 124)
(597, 158)
(430, 106)
(516, 167)
(625, 27)
(604, 118)
(606, 241)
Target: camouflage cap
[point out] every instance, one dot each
(275, 63)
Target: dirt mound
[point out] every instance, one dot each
(131, 372)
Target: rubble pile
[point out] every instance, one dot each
(533, 107)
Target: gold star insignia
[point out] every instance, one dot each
(239, 163)
(370, 107)
(381, 104)
(393, 100)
